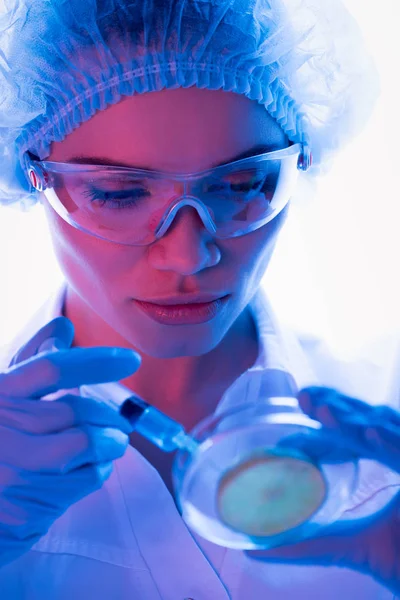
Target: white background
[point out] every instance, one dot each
(335, 272)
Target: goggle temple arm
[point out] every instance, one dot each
(305, 158)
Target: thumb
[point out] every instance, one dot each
(334, 545)
(320, 551)
(58, 333)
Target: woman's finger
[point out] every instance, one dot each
(63, 451)
(313, 398)
(320, 446)
(40, 418)
(67, 369)
(334, 545)
(30, 502)
(60, 330)
(373, 432)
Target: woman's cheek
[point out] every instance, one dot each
(255, 249)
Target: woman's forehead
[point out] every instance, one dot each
(173, 130)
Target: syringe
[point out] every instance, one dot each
(151, 423)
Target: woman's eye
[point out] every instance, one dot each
(244, 185)
(116, 199)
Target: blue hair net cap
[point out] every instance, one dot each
(63, 60)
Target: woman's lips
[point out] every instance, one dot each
(183, 314)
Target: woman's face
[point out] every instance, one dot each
(181, 130)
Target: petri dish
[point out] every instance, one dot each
(263, 475)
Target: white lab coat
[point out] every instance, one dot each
(128, 540)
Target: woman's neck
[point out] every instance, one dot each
(185, 385)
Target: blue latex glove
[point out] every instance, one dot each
(53, 453)
(372, 544)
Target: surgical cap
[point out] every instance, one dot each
(61, 61)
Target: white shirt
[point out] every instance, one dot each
(128, 540)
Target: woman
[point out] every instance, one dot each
(124, 119)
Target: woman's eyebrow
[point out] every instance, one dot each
(109, 162)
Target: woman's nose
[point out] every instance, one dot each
(186, 247)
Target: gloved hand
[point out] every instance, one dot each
(369, 545)
(53, 453)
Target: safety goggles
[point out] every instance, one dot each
(135, 207)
